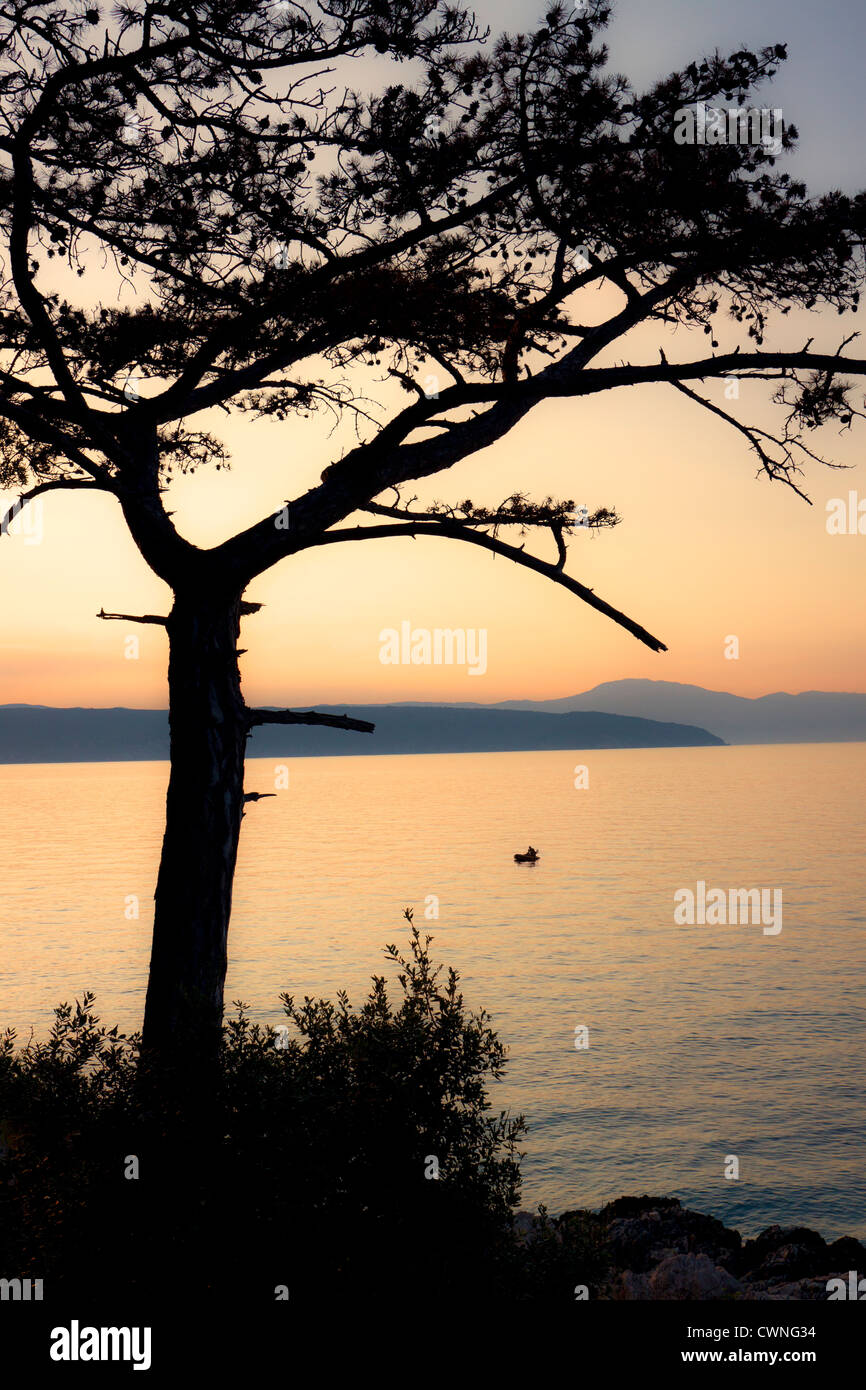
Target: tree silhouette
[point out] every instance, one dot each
(283, 231)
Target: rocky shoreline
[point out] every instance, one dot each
(654, 1248)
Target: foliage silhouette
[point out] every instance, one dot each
(304, 1167)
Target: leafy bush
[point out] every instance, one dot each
(561, 1253)
(304, 1162)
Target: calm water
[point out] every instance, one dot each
(704, 1040)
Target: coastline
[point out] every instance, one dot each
(654, 1249)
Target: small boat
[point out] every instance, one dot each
(530, 857)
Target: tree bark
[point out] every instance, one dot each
(204, 806)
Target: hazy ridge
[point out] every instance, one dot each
(39, 733)
(814, 716)
(617, 714)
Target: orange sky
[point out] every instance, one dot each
(705, 550)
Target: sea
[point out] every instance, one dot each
(719, 1061)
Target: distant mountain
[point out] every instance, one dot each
(39, 733)
(617, 714)
(812, 717)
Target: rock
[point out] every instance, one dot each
(524, 1225)
(653, 1248)
(530, 1227)
(636, 1206)
(847, 1253)
(628, 1287)
(789, 1262)
(644, 1231)
(785, 1253)
(678, 1278)
(812, 1290)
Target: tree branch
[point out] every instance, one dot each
(455, 531)
(132, 618)
(287, 716)
(52, 485)
(777, 472)
(185, 395)
(38, 428)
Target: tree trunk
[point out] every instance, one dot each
(204, 806)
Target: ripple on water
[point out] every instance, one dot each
(704, 1041)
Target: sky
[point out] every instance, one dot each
(706, 551)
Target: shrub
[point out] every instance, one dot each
(305, 1162)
